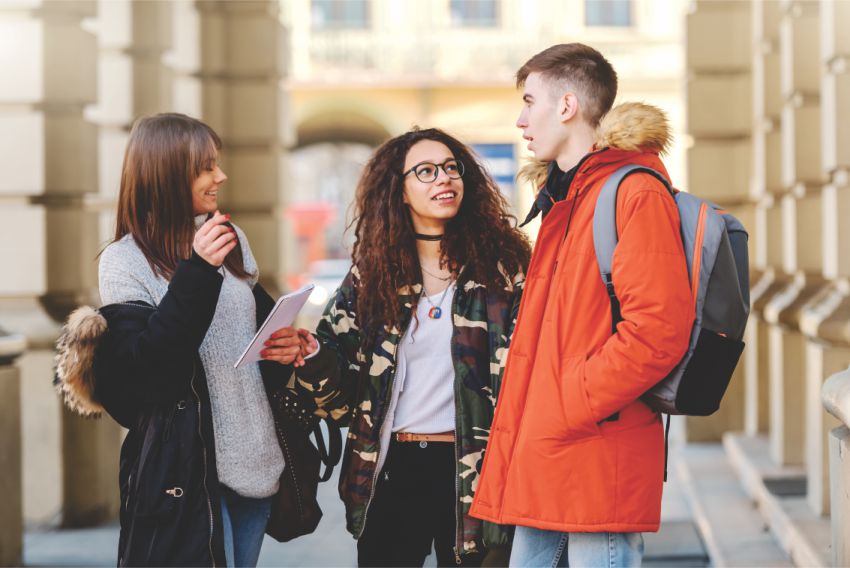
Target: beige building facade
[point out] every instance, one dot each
(363, 71)
(758, 99)
(767, 109)
(76, 73)
(272, 78)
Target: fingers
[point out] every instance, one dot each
(215, 221)
(221, 241)
(283, 355)
(219, 250)
(214, 240)
(284, 332)
(283, 341)
(308, 341)
(289, 346)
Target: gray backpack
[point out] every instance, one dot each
(716, 249)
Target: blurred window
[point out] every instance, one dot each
(608, 13)
(475, 13)
(340, 14)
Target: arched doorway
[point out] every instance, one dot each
(324, 167)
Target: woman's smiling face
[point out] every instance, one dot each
(205, 188)
(432, 203)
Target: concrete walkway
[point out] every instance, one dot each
(676, 544)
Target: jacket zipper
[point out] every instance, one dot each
(204, 448)
(129, 490)
(390, 390)
(458, 516)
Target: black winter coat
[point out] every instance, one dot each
(148, 376)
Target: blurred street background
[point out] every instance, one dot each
(302, 91)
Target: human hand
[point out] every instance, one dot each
(309, 343)
(214, 240)
(289, 346)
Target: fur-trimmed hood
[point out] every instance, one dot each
(75, 379)
(635, 127)
(630, 126)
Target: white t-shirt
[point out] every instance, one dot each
(426, 375)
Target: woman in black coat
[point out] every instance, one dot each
(201, 462)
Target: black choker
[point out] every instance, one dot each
(421, 237)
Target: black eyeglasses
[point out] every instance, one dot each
(426, 172)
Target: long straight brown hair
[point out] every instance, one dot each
(165, 154)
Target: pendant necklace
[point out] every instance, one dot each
(436, 310)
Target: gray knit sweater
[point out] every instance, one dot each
(248, 457)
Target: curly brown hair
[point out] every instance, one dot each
(482, 239)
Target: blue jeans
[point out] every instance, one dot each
(244, 522)
(536, 547)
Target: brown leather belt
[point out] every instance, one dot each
(411, 437)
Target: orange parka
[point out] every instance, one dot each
(553, 461)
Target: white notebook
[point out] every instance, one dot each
(282, 315)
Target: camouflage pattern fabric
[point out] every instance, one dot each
(352, 384)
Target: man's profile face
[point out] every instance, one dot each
(540, 118)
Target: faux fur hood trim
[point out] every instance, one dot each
(75, 348)
(632, 126)
(635, 127)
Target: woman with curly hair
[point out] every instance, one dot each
(410, 350)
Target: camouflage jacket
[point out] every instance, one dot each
(353, 385)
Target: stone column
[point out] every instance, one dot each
(799, 211)
(11, 483)
(48, 151)
(764, 181)
(133, 80)
(756, 363)
(836, 400)
(719, 160)
(822, 360)
(839, 459)
(825, 319)
(243, 63)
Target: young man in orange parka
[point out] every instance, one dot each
(575, 459)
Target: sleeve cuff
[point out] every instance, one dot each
(197, 260)
(318, 368)
(314, 353)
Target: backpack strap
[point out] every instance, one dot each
(605, 229)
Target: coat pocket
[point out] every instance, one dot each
(578, 418)
(158, 484)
